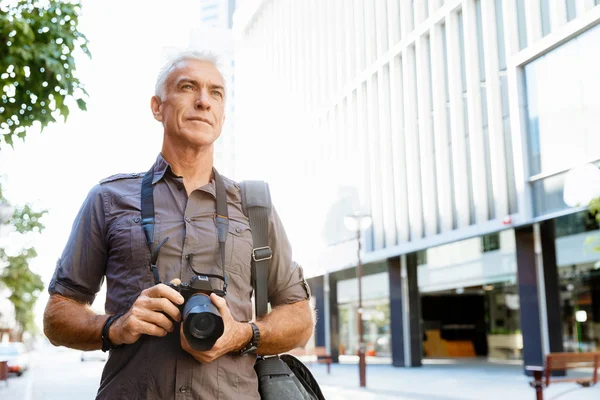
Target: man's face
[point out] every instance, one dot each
(193, 106)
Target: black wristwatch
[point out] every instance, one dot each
(106, 343)
(253, 345)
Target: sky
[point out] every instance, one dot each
(54, 170)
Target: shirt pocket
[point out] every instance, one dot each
(139, 274)
(240, 237)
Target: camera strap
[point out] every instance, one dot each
(147, 207)
(256, 204)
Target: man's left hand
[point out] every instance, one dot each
(235, 335)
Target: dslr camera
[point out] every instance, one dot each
(202, 322)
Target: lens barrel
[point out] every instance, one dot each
(202, 322)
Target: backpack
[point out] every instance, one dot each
(282, 376)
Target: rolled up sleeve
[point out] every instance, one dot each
(286, 278)
(80, 270)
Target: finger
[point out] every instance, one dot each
(162, 290)
(218, 301)
(164, 306)
(176, 281)
(147, 328)
(158, 319)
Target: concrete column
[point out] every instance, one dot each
(405, 312)
(334, 322)
(318, 293)
(538, 292)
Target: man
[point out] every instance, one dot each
(150, 357)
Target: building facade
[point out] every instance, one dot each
(453, 124)
(214, 32)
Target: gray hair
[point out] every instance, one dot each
(163, 75)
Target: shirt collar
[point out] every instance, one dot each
(160, 168)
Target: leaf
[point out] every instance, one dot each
(81, 105)
(42, 55)
(8, 139)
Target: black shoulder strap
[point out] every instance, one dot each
(256, 203)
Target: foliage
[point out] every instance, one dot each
(594, 208)
(25, 286)
(37, 67)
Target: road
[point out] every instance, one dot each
(56, 374)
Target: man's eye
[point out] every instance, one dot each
(218, 94)
(188, 86)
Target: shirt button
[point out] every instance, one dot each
(188, 219)
(179, 187)
(238, 230)
(183, 389)
(187, 256)
(137, 219)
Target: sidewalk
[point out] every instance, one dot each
(441, 381)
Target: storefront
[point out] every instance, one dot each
(376, 315)
(579, 274)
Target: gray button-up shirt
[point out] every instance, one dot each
(107, 241)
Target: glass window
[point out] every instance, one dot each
(580, 307)
(571, 9)
(572, 224)
(548, 195)
(480, 41)
(545, 11)
(500, 35)
(461, 36)
(421, 257)
(513, 205)
(564, 114)
(490, 242)
(449, 127)
(522, 24)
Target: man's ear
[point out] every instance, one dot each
(155, 105)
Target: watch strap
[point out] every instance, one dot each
(106, 343)
(252, 346)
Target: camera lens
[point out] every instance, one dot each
(202, 325)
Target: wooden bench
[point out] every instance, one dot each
(4, 371)
(319, 352)
(542, 375)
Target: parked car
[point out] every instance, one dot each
(92, 355)
(17, 356)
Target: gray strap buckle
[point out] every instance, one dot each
(262, 254)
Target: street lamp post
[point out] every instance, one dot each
(358, 222)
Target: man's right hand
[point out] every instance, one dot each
(148, 315)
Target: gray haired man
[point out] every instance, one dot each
(150, 357)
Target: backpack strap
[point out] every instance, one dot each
(256, 204)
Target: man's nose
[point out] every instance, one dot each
(203, 101)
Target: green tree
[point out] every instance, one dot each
(594, 208)
(37, 67)
(25, 286)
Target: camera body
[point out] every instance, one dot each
(202, 322)
(199, 284)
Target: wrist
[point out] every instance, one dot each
(251, 343)
(245, 336)
(107, 338)
(113, 333)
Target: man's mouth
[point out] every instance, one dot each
(200, 119)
